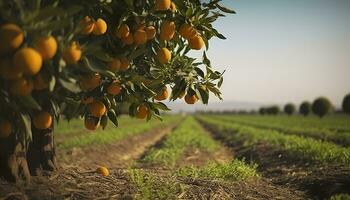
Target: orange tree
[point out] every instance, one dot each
(87, 58)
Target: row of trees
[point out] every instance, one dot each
(320, 107)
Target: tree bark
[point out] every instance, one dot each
(13, 162)
(41, 152)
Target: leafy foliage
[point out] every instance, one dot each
(289, 108)
(321, 106)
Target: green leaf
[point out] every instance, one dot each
(73, 87)
(104, 121)
(203, 94)
(220, 82)
(113, 117)
(161, 106)
(224, 9)
(25, 126)
(30, 102)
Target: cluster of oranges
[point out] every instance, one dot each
(22, 65)
(96, 109)
(139, 36)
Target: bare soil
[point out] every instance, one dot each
(316, 180)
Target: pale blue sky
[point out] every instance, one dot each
(281, 51)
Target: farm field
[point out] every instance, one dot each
(196, 157)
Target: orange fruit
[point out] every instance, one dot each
(42, 120)
(72, 54)
(87, 100)
(100, 27)
(90, 82)
(91, 123)
(164, 55)
(47, 47)
(142, 111)
(21, 87)
(140, 37)
(151, 32)
(29, 60)
(123, 31)
(114, 88)
(191, 99)
(187, 31)
(167, 30)
(173, 7)
(97, 109)
(11, 37)
(162, 95)
(196, 42)
(128, 40)
(8, 71)
(114, 65)
(125, 64)
(87, 24)
(162, 4)
(39, 82)
(5, 128)
(102, 171)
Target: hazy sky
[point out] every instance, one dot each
(281, 51)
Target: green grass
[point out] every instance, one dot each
(65, 127)
(336, 122)
(307, 148)
(150, 187)
(188, 134)
(340, 197)
(296, 126)
(236, 170)
(114, 134)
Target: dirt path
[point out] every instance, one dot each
(116, 155)
(282, 168)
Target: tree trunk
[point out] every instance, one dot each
(13, 162)
(41, 152)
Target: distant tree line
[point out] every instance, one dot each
(320, 107)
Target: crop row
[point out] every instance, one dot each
(282, 125)
(188, 134)
(114, 134)
(301, 147)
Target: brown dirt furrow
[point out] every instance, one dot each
(317, 180)
(116, 155)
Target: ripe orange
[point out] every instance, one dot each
(140, 37)
(47, 47)
(11, 37)
(102, 171)
(87, 24)
(97, 109)
(173, 7)
(5, 128)
(142, 111)
(100, 27)
(191, 99)
(72, 54)
(29, 60)
(196, 42)
(123, 31)
(91, 123)
(128, 40)
(151, 32)
(87, 100)
(42, 120)
(187, 31)
(167, 30)
(21, 87)
(164, 55)
(114, 65)
(125, 64)
(162, 95)
(8, 71)
(114, 88)
(40, 82)
(90, 82)
(162, 4)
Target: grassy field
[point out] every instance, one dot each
(203, 157)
